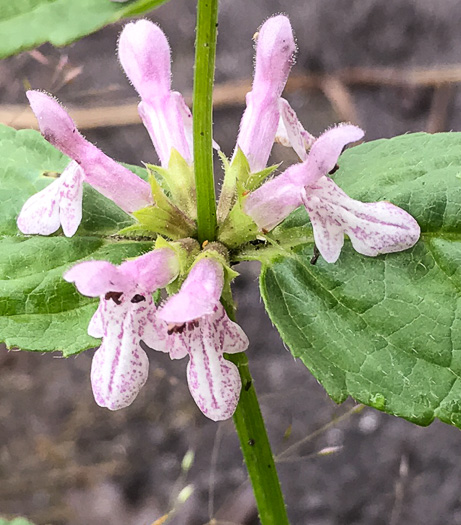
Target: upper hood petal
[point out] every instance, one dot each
(199, 293)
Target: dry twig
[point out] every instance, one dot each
(231, 94)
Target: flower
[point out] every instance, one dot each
(125, 315)
(61, 201)
(267, 115)
(198, 326)
(145, 56)
(373, 228)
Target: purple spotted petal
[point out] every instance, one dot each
(156, 335)
(274, 52)
(120, 367)
(198, 296)
(175, 340)
(95, 278)
(170, 339)
(232, 339)
(270, 204)
(40, 213)
(60, 203)
(290, 131)
(110, 178)
(70, 198)
(96, 325)
(374, 228)
(214, 382)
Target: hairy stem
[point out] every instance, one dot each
(257, 451)
(247, 418)
(205, 52)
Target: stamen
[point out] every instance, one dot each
(138, 298)
(176, 328)
(115, 296)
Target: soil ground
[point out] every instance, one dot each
(65, 461)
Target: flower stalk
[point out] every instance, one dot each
(205, 52)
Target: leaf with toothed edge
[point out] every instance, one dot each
(39, 311)
(384, 330)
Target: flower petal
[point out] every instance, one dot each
(275, 47)
(232, 338)
(274, 51)
(152, 270)
(374, 228)
(270, 204)
(290, 131)
(110, 178)
(120, 367)
(144, 53)
(96, 325)
(199, 293)
(257, 130)
(56, 125)
(165, 125)
(186, 115)
(145, 56)
(40, 213)
(95, 278)
(214, 382)
(326, 150)
(156, 336)
(70, 198)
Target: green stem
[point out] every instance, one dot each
(257, 451)
(247, 418)
(205, 52)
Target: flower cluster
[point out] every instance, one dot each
(193, 322)
(373, 228)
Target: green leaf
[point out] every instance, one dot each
(15, 521)
(383, 330)
(39, 311)
(25, 24)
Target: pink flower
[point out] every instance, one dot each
(126, 314)
(267, 115)
(199, 327)
(144, 53)
(59, 204)
(61, 201)
(373, 228)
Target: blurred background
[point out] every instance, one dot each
(389, 66)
